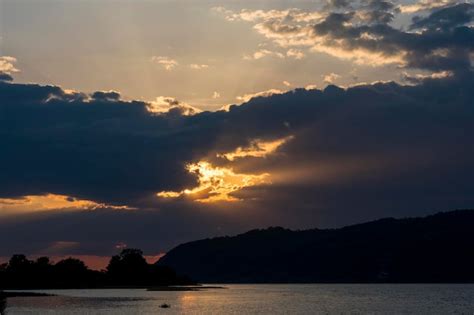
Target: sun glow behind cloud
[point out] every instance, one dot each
(216, 183)
(164, 104)
(219, 183)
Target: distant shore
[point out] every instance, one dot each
(30, 292)
(12, 294)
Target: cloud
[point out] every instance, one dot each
(408, 145)
(121, 245)
(295, 53)
(60, 247)
(216, 183)
(336, 4)
(47, 202)
(257, 148)
(107, 96)
(79, 143)
(5, 77)
(424, 5)
(247, 97)
(419, 78)
(378, 12)
(331, 78)
(166, 62)
(363, 34)
(262, 15)
(286, 83)
(170, 64)
(262, 53)
(195, 66)
(216, 95)
(7, 65)
(170, 105)
(446, 19)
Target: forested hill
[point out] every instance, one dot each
(436, 248)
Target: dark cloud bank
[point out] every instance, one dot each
(360, 153)
(443, 40)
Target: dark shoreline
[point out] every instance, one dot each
(10, 294)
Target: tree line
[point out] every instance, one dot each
(128, 269)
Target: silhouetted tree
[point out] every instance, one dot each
(43, 262)
(72, 272)
(19, 268)
(128, 269)
(19, 262)
(3, 303)
(42, 271)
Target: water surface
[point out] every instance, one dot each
(259, 299)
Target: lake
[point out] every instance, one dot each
(258, 299)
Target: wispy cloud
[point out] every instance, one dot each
(420, 77)
(262, 53)
(196, 66)
(166, 62)
(295, 53)
(424, 5)
(331, 78)
(258, 15)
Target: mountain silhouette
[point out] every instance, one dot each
(436, 248)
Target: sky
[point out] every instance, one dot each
(149, 123)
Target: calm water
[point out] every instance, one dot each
(259, 299)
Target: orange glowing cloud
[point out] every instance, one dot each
(257, 148)
(37, 203)
(216, 183)
(163, 104)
